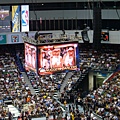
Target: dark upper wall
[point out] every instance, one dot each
(69, 14)
(62, 5)
(48, 1)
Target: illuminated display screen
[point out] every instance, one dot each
(30, 57)
(5, 19)
(105, 36)
(54, 58)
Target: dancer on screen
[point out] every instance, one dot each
(26, 53)
(44, 61)
(29, 56)
(33, 58)
(69, 58)
(56, 59)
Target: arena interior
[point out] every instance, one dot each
(60, 60)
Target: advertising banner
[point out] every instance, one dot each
(24, 18)
(16, 18)
(14, 38)
(5, 19)
(2, 39)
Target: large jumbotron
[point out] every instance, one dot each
(50, 55)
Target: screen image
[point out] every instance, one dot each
(105, 36)
(54, 58)
(5, 19)
(30, 57)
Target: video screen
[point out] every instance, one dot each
(30, 57)
(55, 58)
(105, 36)
(5, 19)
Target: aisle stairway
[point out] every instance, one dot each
(69, 74)
(82, 83)
(31, 78)
(28, 82)
(14, 111)
(19, 64)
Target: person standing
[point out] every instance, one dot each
(59, 114)
(54, 115)
(66, 115)
(47, 115)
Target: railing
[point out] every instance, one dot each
(107, 78)
(48, 40)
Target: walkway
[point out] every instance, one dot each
(28, 83)
(69, 74)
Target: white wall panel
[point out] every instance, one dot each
(69, 14)
(110, 14)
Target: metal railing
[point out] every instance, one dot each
(49, 40)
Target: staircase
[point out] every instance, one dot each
(69, 74)
(14, 111)
(32, 80)
(82, 83)
(28, 83)
(19, 64)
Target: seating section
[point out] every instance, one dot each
(47, 83)
(19, 62)
(105, 101)
(15, 92)
(11, 83)
(95, 60)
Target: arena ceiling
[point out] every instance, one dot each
(48, 1)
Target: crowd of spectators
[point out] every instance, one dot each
(97, 60)
(14, 89)
(9, 77)
(106, 60)
(103, 60)
(105, 101)
(46, 83)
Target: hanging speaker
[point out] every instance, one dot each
(76, 34)
(85, 37)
